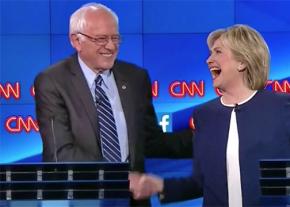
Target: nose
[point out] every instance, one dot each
(110, 45)
(209, 59)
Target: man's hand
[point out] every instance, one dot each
(143, 186)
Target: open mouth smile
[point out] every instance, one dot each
(215, 72)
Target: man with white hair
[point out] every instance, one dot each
(92, 107)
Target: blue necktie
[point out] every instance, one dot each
(108, 133)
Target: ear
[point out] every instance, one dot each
(75, 42)
(241, 67)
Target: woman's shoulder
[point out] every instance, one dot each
(274, 97)
(208, 107)
(210, 104)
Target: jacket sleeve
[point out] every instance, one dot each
(179, 189)
(54, 122)
(158, 143)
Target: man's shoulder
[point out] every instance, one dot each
(62, 65)
(57, 72)
(127, 66)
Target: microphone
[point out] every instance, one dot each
(54, 139)
(237, 108)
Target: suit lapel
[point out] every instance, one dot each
(124, 89)
(83, 92)
(124, 86)
(125, 93)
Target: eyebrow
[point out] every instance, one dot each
(216, 48)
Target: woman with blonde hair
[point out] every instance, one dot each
(234, 131)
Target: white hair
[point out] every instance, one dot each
(78, 21)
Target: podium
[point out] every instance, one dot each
(68, 184)
(275, 182)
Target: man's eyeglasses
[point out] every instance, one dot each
(103, 39)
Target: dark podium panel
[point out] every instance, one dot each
(72, 184)
(275, 182)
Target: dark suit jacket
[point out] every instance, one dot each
(63, 97)
(264, 133)
(67, 116)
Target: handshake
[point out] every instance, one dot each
(144, 185)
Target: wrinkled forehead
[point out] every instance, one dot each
(99, 15)
(99, 20)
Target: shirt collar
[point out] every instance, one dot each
(106, 75)
(240, 103)
(90, 75)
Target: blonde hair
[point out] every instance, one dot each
(249, 47)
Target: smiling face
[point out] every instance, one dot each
(225, 69)
(97, 57)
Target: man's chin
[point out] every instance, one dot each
(107, 66)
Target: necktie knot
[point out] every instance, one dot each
(99, 80)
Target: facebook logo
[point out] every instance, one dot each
(164, 122)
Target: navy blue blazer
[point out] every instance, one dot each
(264, 133)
